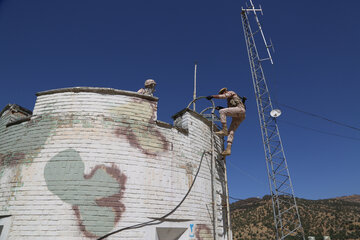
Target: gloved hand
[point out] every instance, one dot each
(243, 99)
(219, 108)
(209, 97)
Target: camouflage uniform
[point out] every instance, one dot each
(149, 88)
(145, 91)
(235, 109)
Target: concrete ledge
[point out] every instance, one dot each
(109, 91)
(169, 126)
(195, 114)
(16, 108)
(163, 124)
(24, 119)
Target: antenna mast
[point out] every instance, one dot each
(194, 95)
(286, 213)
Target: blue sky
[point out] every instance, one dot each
(118, 44)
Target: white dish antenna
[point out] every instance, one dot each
(275, 113)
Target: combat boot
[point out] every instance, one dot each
(227, 151)
(223, 132)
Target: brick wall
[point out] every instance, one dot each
(93, 160)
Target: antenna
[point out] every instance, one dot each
(254, 10)
(286, 213)
(194, 96)
(275, 113)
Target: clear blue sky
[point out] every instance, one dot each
(55, 44)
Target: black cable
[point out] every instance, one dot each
(319, 131)
(320, 117)
(161, 219)
(247, 174)
(237, 199)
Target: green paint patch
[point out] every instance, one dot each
(88, 194)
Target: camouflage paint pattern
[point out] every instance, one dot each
(189, 168)
(14, 159)
(95, 198)
(96, 194)
(202, 232)
(140, 130)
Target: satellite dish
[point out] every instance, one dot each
(275, 113)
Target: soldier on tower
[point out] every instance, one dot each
(235, 109)
(149, 88)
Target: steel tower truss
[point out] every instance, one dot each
(286, 213)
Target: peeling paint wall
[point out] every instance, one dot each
(90, 161)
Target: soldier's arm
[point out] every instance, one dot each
(225, 95)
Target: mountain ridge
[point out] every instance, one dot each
(339, 218)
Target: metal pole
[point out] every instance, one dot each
(194, 96)
(229, 237)
(260, 28)
(213, 167)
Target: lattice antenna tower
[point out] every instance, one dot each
(286, 213)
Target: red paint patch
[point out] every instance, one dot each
(134, 141)
(11, 159)
(80, 223)
(114, 200)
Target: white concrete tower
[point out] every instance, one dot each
(89, 161)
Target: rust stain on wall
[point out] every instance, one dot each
(189, 168)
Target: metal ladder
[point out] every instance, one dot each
(214, 118)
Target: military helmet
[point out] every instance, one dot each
(149, 82)
(222, 90)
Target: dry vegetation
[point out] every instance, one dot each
(252, 219)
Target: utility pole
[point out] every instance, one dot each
(286, 213)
